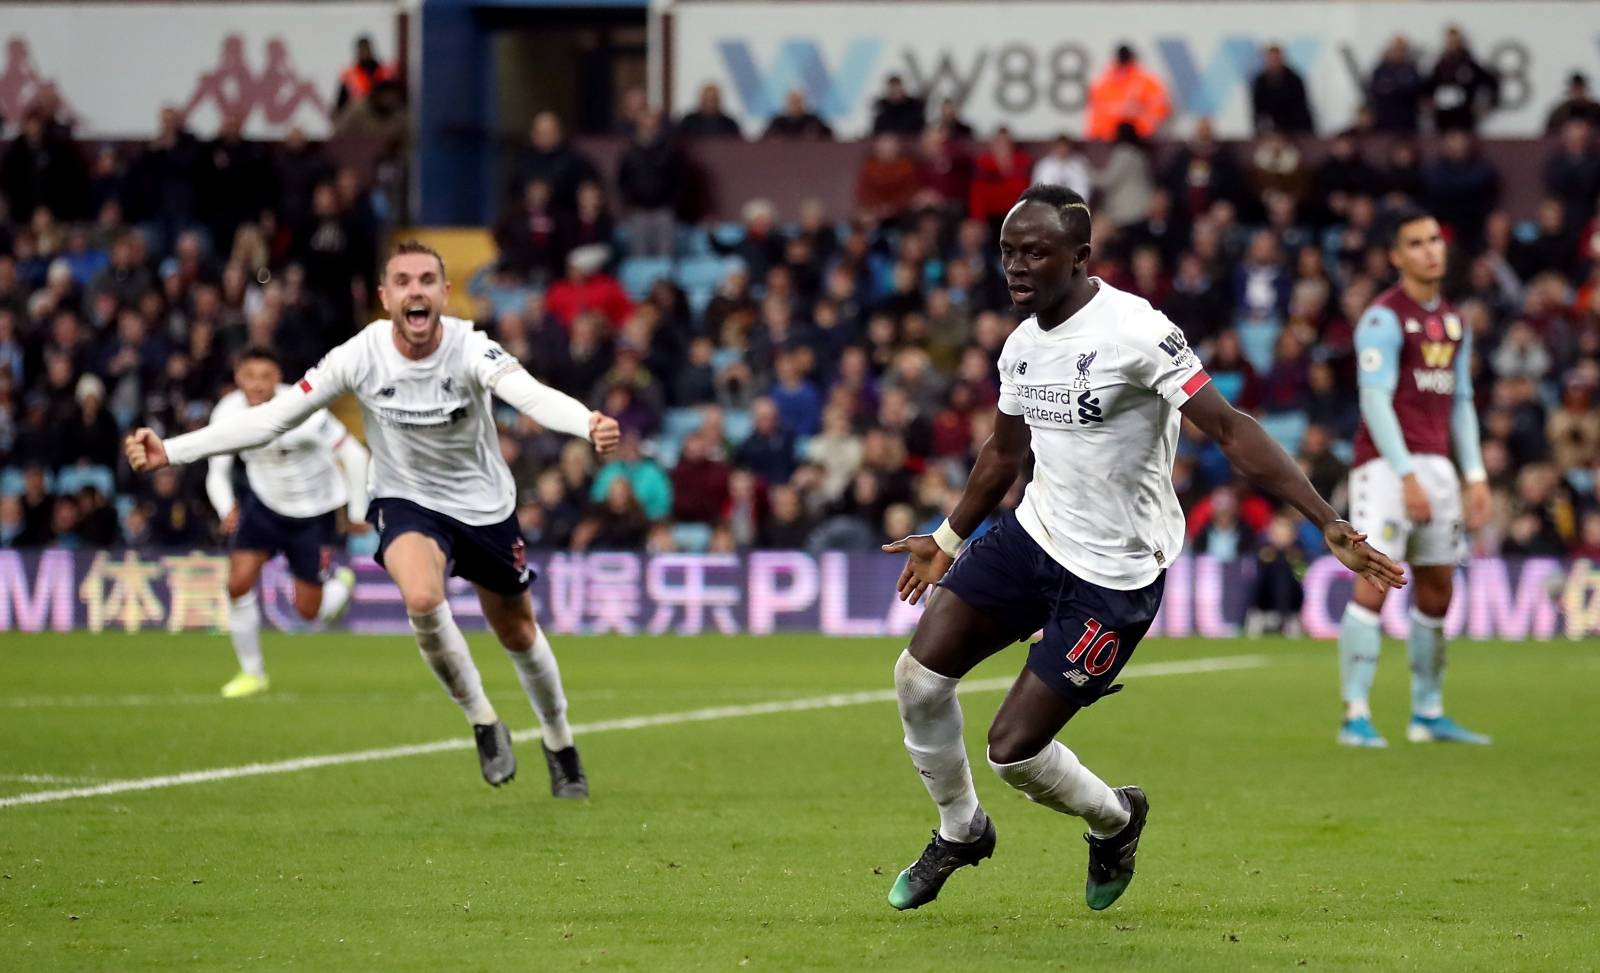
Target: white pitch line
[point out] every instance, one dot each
(708, 714)
(48, 779)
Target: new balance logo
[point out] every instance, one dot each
(1022, 368)
(1076, 677)
(449, 384)
(386, 392)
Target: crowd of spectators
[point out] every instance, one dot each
(814, 379)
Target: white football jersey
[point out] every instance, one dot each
(429, 423)
(1100, 393)
(294, 475)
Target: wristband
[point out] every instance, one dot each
(1476, 476)
(947, 539)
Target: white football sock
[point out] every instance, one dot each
(334, 595)
(1056, 778)
(931, 715)
(444, 648)
(541, 680)
(244, 628)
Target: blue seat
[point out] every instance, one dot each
(639, 274)
(10, 482)
(728, 234)
(737, 424)
(691, 241)
(699, 299)
(680, 422)
(1256, 341)
(703, 271)
(75, 478)
(1287, 428)
(692, 538)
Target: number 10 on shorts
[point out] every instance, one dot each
(1100, 649)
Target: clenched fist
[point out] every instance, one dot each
(604, 433)
(146, 453)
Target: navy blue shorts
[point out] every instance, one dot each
(1089, 631)
(492, 556)
(306, 541)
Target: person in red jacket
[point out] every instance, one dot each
(999, 176)
(587, 287)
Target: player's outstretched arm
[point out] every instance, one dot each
(929, 556)
(1256, 455)
(552, 408)
(250, 428)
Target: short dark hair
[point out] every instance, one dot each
(1069, 206)
(404, 247)
(1402, 218)
(259, 353)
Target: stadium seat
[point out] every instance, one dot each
(691, 241)
(678, 423)
(1256, 340)
(728, 234)
(702, 271)
(75, 478)
(737, 424)
(692, 538)
(1288, 428)
(10, 482)
(639, 274)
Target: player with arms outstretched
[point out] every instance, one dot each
(1414, 369)
(442, 496)
(296, 481)
(1093, 382)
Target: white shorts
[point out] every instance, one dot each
(1378, 509)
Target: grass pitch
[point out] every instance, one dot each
(770, 840)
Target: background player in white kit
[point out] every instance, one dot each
(1093, 382)
(296, 482)
(442, 496)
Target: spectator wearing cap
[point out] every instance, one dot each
(93, 437)
(1278, 101)
(708, 120)
(1126, 93)
(1577, 103)
(898, 112)
(587, 287)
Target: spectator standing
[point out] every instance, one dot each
(1461, 91)
(1572, 174)
(708, 120)
(1461, 187)
(234, 182)
(647, 179)
(1124, 182)
(364, 73)
(1065, 166)
(887, 181)
(1126, 93)
(1395, 90)
(1576, 104)
(551, 157)
(1278, 101)
(999, 176)
(798, 121)
(587, 287)
(898, 112)
(42, 170)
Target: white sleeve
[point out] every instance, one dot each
(1009, 402)
(352, 458)
(1160, 358)
(219, 484)
(261, 424)
(498, 370)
